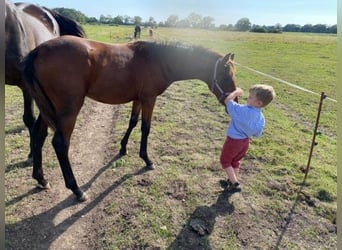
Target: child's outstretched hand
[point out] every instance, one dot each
(239, 92)
(236, 93)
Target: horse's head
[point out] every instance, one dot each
(224, 77)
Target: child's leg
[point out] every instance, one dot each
(236, 171)
(231, 174)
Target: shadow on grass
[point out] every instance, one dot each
(196, 232)
(15, 130)
(21, 164)
(289, 217)
(40, 231)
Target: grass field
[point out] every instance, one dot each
(188, 131)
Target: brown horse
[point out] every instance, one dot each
(61, 72)
(27, 26)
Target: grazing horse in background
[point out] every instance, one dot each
(27, 26)
(61, 72)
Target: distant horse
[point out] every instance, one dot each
(27, 26)
(61, 72)
(137, 31)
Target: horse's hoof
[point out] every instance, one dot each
(122, 153)
(80, 195)
(150, 167)
(83, 197)
(41, 186)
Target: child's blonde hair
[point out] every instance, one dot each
(263, 92)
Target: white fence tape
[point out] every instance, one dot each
(283, 81)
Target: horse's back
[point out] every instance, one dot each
(65, 57)
(69, 53)
(74, 52)
(104, 72)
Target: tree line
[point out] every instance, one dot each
(195, 21)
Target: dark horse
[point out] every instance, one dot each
(27, 26)
(61, 72)
(137, 31)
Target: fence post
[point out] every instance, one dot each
(314, 143)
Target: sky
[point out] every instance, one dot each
(259, 12)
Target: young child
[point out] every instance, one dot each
(246, 121)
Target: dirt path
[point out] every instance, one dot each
(93, 140)
(68, 224)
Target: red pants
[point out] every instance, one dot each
(233, 151)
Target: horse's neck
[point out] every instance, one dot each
(193, 67)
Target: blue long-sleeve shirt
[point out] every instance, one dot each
(247, 121)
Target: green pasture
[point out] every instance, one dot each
(188, 131)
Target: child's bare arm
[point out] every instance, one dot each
(233, 95)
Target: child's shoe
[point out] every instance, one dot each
(234, 187)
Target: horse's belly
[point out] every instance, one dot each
(111, 97)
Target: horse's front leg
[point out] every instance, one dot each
(147, 110)
(39, 133)
(28, 117)
(136, 107)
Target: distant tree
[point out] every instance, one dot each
(292, 28)
(243, 24)
(171, 21)
(207, 23)
(137, 20)
(306, 28)
(195, 20)
(319, 28)
(118, 20)
(105, 19)
(332, 29)
(151, 22)
(92, 20)
(183, 23)
(226, 27)
(258, 29)
(274, 29)
(128, 20)
(278, 27)
(72, 13)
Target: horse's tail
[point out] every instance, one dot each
(36, 90)
(67, 26)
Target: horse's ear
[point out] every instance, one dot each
(226, 58)
(229, 56)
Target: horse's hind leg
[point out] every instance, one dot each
(28, 116)
(39, 133)
(61, 146)
(136, 107)
(61, 142)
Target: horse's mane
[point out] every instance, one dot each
(67, 25)
(160, 49)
